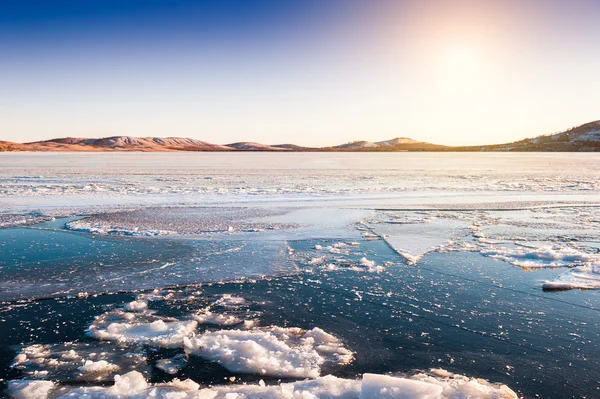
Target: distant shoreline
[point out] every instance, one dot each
(584, 138)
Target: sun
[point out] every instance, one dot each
(460, 58)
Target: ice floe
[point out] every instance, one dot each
(92, 370)
(371, 386)
(159, 221)
(582, 277)
(273, 351)
(219, 319)
(78, 361)
(227, 310)
(172, 365)
(136, 306)
(414, 234)
(30, 389)
(541, 257)
(87, 226)
(141, 328)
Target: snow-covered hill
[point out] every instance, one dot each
(124, 143)
(578, 139)
(582, 138)
(252, 146)
(395, 144)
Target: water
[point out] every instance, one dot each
(463, 312)
(412, 261)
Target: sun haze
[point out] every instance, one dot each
(307, 72)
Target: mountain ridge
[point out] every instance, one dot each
(583, 138)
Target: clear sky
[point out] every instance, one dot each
(310, 72)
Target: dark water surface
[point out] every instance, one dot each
(459, 311)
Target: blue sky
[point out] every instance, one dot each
(312, 72)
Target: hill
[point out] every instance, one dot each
(396, 144)
(9, 146)
(123, 143)
(251, 146)
(584, 138)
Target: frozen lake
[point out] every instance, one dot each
(418, 265)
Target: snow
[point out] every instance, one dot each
(227, 310)
(583, 277)
(78, 361)
(366, 262)
(136, 306)
(146, 328)
(25, 389)
(96, 370)
(273, 351)
(397, 141)
(172, 365)
(371, 386)
(219, 319)
(230, 301)
(541, 257)
(385, 387)
(590, 136)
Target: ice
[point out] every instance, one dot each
(366, 262)
(84, 264)
(421, 235)
(230, 301)
(456, 386)
(385, 387)
(25, 389)
(141, 328)
(90, 226)
(582, 277)
(241, 223)
(219, 319)
(173, 365)
(128, 384)
(72, 361)
(372, 386)
(227, 310)
(97, 370)
(542, 257)
(8, 220)
(273, 351)
(136, 306)
(173, 220)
